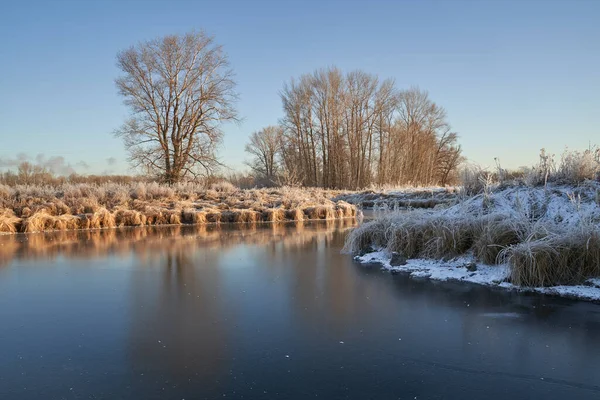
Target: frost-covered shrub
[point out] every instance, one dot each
(223, 187)
(576, 166)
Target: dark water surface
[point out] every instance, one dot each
(271, 312)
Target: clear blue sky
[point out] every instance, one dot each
(514, 76)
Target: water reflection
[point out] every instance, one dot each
(266, 311)
(145, 241)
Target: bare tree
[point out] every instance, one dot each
(264, 147)
(180, 89)
(351, 130)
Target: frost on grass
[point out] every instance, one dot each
(520, 236)
(34, 208)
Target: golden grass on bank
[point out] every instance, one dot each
(37, 208)
(320, 212)
(273, 215)
(295, 214)
(9, 222)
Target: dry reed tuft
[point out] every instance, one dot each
(273, 215)
(295, 214)
(129, 218)
(102, 218)
(66, 222)
(9, 222)
(213, 216)
(192, 216)
(495, 233)
(320, 212)
(40, 221)
(248, 216)
(348, 210)
(447, 237)
(368, 236)
(536, 262)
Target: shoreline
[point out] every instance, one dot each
(494, 276)
(185, 224)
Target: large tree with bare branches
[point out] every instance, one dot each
(180, 90)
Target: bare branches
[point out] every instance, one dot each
(352, 130)
(264, 147)
(180, 89)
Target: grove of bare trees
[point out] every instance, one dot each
(180, 90)
(353, 130)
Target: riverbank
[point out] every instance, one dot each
(86, 206)
(402, 198)
(465, 269)
(545, 239)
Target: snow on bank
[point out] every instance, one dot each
(487, 275)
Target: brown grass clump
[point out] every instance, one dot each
(193, 216)
(448, 237)
(9, 222)
(295, 214)
(496, 233)
(102, 218)
(273, 215)
(366, 237)
(85, 221)
(536, 262)
(555, 259)
(213, 216)
(227, 216)
(66, 222)
(246, 216)
(320, 212)
(40, 221)
(129, 218)
(175, 218)
(347, 210)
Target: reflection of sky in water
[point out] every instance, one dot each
(193, 313)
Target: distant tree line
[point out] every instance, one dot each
(32, 174)
(353, 130)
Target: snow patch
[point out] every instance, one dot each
(488, 275)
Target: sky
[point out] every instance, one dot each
(513, 76)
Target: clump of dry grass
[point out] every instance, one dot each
(368, 236)
(213, 216)
(9, 222)
(536, 262)
(249, 216)
(497, 232)
(193, 216)
(294, 214)
(129, 218)
(320, 212)
(448, 237)
(555, 259)
(102, 218)
(273, 215)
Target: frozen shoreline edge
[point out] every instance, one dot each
(486, 275)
